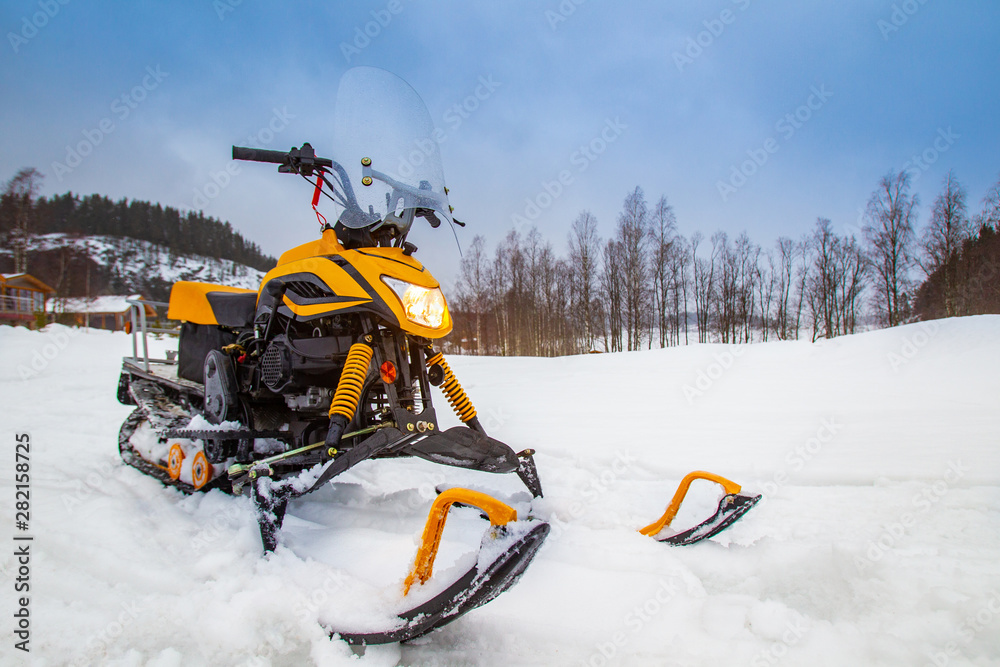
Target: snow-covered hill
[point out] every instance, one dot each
(877, 541)
(134, 262)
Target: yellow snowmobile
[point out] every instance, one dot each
(277, 391)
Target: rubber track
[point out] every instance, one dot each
(132, 458)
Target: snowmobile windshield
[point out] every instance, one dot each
(384, 140)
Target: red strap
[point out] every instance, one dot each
(321, 218)
(316, 193)
(319, 187)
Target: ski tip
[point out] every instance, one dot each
(731, 508)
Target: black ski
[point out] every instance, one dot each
(731, 508)
(471, 590)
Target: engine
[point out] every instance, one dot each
(288, 365)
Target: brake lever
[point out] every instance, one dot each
(301, 161)
(429, 216)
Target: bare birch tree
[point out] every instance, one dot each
(782, 268)
(663, 230)
(835, 283)
(474, 287)
(889, 221)
(990, 214)
(948, 227)
(584, 257)
(612, 296)
(703, 285)
(633, 238)
(21, 190)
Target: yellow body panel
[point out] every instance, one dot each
(333, 276)
(320, 308)
(189, 301)
(327, 245)
(371, 264)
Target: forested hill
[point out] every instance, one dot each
(183, 233)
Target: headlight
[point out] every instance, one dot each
(423, 305)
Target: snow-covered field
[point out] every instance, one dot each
(127, 257)
(877, 542)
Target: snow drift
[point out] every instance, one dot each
(876, 542)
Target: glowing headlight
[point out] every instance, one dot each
(423, 305)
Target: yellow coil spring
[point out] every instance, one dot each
(345, 399)
(460, 403)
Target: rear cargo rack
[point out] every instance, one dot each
(139, 326)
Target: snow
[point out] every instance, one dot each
(876, 542)
(128, 257)
(97, 304)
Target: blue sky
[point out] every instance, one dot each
(683, 94)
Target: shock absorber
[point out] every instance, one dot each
(440, 374)
(348, 394)
(457, 397)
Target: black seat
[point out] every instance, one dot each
(233, 309)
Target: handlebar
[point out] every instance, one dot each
(297, 161)
(303, 161)
(260, 155)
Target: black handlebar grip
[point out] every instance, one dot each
(259, 155)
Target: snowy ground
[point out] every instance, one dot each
(127, 257)
(877, 543)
